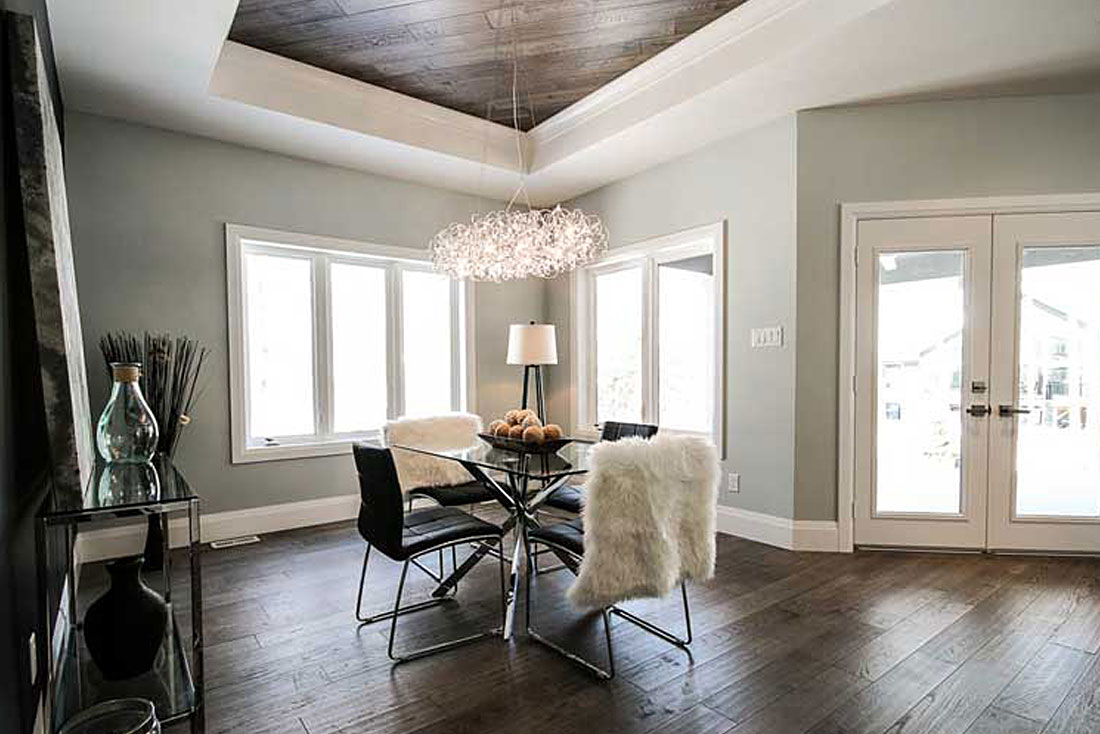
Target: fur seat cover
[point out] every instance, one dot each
(649, 518)
(450, 431)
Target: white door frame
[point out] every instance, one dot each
(850, 216)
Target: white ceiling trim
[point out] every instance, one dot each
(752, 32)
(265, 80)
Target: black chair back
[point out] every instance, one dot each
(382, 512)
(613, 430)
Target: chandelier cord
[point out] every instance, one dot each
(522, 188)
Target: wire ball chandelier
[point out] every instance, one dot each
(518, 242)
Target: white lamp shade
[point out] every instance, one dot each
(532, 344)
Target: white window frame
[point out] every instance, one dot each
(708, 239)
(323, 251)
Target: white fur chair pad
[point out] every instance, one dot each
(450, 431)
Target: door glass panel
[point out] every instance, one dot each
(358, 347)
(685, 315)
(1058, 441)
(920, 375)
(619, 346)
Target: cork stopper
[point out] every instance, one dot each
(126, 371)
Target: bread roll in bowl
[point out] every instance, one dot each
(533, 434)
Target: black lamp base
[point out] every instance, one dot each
(540, 393)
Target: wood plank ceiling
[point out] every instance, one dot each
(458, 53)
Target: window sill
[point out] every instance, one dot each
(305, 450)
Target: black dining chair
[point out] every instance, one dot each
(400, 536)
(569, 497)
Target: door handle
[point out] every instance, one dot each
(1007, 411)
(978, 411)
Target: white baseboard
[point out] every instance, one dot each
(98, 545)
(782, 532)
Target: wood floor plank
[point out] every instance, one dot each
(1080, 712)
(952, 706)
(811, 702)
(1081, 629)
(885, 651)
(698, 720)
(979, 625)
(996, 721)
(744, 697)
(883, 702)
(1041, 687)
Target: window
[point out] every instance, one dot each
(330, 338)
(649, 334)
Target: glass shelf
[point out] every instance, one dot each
(122, 490)
(168, 684)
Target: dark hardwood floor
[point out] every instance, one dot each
(784, 643)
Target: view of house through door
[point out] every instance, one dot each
(977, 388)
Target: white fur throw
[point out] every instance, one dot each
(649, 518)
(450, 431)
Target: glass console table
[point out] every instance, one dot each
(175, 682)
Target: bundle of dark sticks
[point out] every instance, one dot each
(170, 371)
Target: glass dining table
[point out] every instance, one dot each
(521, 483)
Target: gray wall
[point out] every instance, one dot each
(748, 181)
(1038, 145)
(148, 208)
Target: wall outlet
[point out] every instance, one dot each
(32, 653)
(734, 483)
(765, 337)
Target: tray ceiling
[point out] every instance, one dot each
(457, 53)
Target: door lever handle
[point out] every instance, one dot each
(978, 411)
(1007, 411)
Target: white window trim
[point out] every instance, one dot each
(707, 239)
(237, 238)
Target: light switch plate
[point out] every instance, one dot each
(734, 484)
(766, 337)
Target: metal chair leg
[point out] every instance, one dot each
(654, 629)
(599, 672)
(386, 615)
(398, 610)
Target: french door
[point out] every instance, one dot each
(978, 382)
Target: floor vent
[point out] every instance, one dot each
(234, 542)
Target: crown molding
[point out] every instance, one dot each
(694, 49)
(747, 38)
(268, 81)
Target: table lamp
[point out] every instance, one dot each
(533, 345)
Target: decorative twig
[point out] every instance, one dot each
(170, 370)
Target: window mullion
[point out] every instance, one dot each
(324, 399)
(458, 337)
(395, 373)
(650, 342)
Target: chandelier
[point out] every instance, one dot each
(518, 242)
(513, 243)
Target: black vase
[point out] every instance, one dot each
(124, 628)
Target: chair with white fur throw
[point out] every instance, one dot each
(647, 527)
(443, 482)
